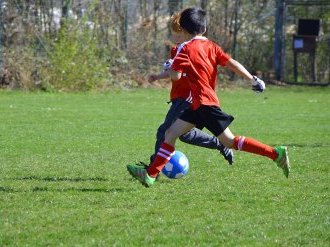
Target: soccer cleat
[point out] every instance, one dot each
(140, 173)
(227, 153)
(141, 163)
(282, 160)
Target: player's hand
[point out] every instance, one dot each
(167, 65)
(152, 78)
(258, 85)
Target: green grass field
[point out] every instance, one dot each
(63, 178)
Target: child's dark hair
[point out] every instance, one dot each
(193, 20)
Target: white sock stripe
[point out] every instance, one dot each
(240, 142)
(162, 150)
(164, 156)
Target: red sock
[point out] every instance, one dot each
(253, 146)
(164, 154)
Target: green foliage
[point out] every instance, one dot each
(63, 180)
(100, 44)
(76, 62)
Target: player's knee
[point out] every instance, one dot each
(171, 135)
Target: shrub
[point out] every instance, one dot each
(76, 63)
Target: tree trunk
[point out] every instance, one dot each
(236, 28)
(174, 6)
(65, 8)
(204, 4)
(155, 25)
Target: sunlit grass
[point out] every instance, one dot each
(63, 178)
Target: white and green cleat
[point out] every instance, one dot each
(140, 173)
(282, 160)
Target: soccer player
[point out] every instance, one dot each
(180, 101)
(199, 59)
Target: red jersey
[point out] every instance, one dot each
(181, 87)
(199, 59)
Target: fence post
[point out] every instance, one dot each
(1, 41)
(279, 45)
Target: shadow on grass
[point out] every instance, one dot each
(60, 179)
(6, 189)
(304, 145)
(113, 190)
(70, 189)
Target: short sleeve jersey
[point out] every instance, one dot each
(199, 59)
(181, 87)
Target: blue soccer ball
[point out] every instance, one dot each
(177, 167)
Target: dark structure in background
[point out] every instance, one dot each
(305, 42)
(308, 30)
(1, 46)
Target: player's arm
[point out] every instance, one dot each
(179, 64)
(238, 69)
(162, 75)
(174, 75)
(257, 84)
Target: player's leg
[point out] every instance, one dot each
(247, 144)
(199, 138)
(178, 106)
(218, 121)
(164, 154)
(227, 138)
(194, 137)
(170, 117)
(178, 128)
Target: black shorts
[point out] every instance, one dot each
(210, 117)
